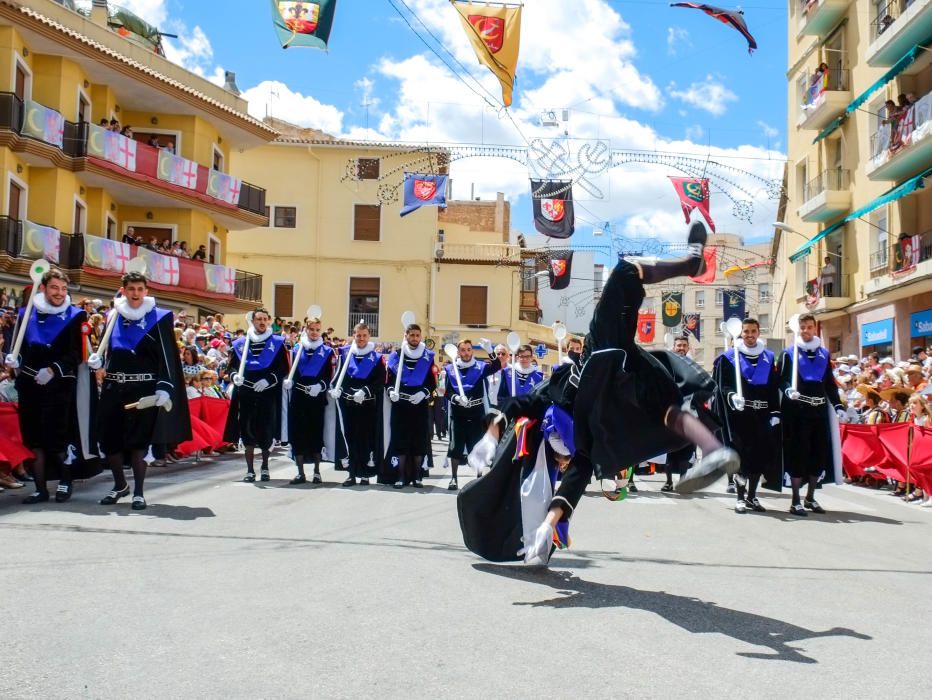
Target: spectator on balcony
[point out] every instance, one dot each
(828, 278)
(154, 141)
(884, 24)
(200, 253)
(170, 147)
(127, 131)
(130, 236)
(105, 123)
(165, 247)
(115, 125)
(183, 250)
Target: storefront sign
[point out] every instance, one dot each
(920, 324)
(877, 333)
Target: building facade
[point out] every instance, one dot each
(73, 187)
(857, 246)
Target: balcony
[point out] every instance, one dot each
(895, 28)
(902, 147)
(891, 265)
(826, 196)
(825, 99)
(96, 261)
(817, 17)
(478, 253)
(134, 172)
(833, 299)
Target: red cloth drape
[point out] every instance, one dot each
(12, 451)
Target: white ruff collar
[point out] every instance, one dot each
(44, 307)
(123, 308)
(523, 372)
(465, 365)
(415, 354)
(753, 351)
(311, 345)
(813, 344)
(254, 337)
(360, 352)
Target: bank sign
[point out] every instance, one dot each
(877, 333)
(920, 324)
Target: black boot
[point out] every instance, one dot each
(690, 266)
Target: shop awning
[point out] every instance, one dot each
(891, 195)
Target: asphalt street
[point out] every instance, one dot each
(229, 590)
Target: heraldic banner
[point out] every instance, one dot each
(647, 327)
(672, 309)
(693, 193)
(303, 23)
(561, 267)
(421, 190)
(733, 301)
(553, 207)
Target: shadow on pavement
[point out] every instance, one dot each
(157, 510)
(691, 614)
(833, 516)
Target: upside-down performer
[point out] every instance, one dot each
(626, 407)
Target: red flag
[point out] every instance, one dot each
(694, 194)
(647, 327)
(707, 277)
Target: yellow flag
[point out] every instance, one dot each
(495, 34)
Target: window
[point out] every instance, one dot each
(700, 298)
(364, 295)
(764, 322)
(367, 168)
(367, 222)
(268, 217)
(598, 279)
(802, 181)
(283, 305)
(473, 305)
(22, 80)
(718, 351)
(881, 247)
(528, 272)
(213, 250)
(718, 326)
(285, 217)
(16, 200)
(218, 159)
(111, 228)
(763, 291)
(698, 354)
(80, 216)
(84, 107)
(802, 275)
(719, 297)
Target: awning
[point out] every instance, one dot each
(891, 195)
(834, 124)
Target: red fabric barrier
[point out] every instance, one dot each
(214, 413)
(920, 468)
(203, 437)
(12, 451)
(860, 448)
(895, 441)
(191, 274)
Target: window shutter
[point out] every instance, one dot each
(473, 305)
(284, 300)
(366, 222)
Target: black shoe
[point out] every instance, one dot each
(114, 496)
(317, 479)
(755, 505)
(363, 482)
(813, 505)
(264, 475)
(139, 503)
(453, 486)
(63, 492)
(250, 477)
(632, 488)
(350, 482)
(37, 497)
(666, 488)
(797, 509)
(730, 488)
(398, 485)
(418, 484)
(299, 479)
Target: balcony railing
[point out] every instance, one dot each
(880, 260)
(371, 319)
(834, 179)
(901, 129)
(831, 80)
(885, 16)
(480, 252)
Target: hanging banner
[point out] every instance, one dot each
(303, 23)
(553, 207)
(224, 187)
(693, 194)
(813, 293)
(561, 266)
(495, 34)
(111, 146)
(220, 278)
(43, 123)
(105, 254)
(647, 327)
(671, 304)
(733, 301)
(907, 255)
(708, 276)
(692, 325)
(40, 242)
(177, 170)
(421, 190)
(161, 269)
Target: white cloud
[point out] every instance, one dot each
(710, 95)
(677, 38)
(191, 50)
(694, 132)
(271, 97)
(769, 131)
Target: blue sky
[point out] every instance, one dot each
(639, 74)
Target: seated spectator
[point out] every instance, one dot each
(915, 379)
(154, 141)
(183, 250)
(193, 386)
(190, 361)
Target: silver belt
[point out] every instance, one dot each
(758, 405)
(348, 396)
(470, 404)
(812, 400)
(124, 378)
(306, 389)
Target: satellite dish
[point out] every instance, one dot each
(733, 326)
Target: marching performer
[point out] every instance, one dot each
(256, 404)
(807, 452)
(410, 413)
(46, 379)
(751, 419)
(138, 406)
(466, 414)
(307, 404)
(527, 376)
(360, 395)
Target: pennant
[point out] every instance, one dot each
(422, 190)
(177, 170)
(299, 23)
(553, 207)
(561, 265)
(43, 123)
(692, 326)
(40, 242)
(733, 301)
(671, 304)
(707, 277)
(647, 327)
(735, 269)
(224, 187)
(495, 34)
(694, 194)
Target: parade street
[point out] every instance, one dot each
(226, 589)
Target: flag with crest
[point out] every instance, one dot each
(671, 305)
(494, 30)
(421, 190)
(303, 22)
(693, 193)
(553, 207)
(561, 267)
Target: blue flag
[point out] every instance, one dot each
(734, 303)
(423, 190)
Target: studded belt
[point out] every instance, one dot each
(124, 378)
(757, 405)
(812, 400)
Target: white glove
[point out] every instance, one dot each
(359, 396)
(315, 389)
(11, 361)
(288, 384)
(486, 345)
(238, 380)
(537, 553)
(792, 394)
(260, 386)
(394, 396)
(842, 415)
(162, 399)
(459, 400)
(335, 394)
(774, 421)
(44, 376)
(481, 456)
(737, 402)
(418, 397)
(94, 361)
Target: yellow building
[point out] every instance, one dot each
(856, 171)
(335, 238)
(72, 189)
